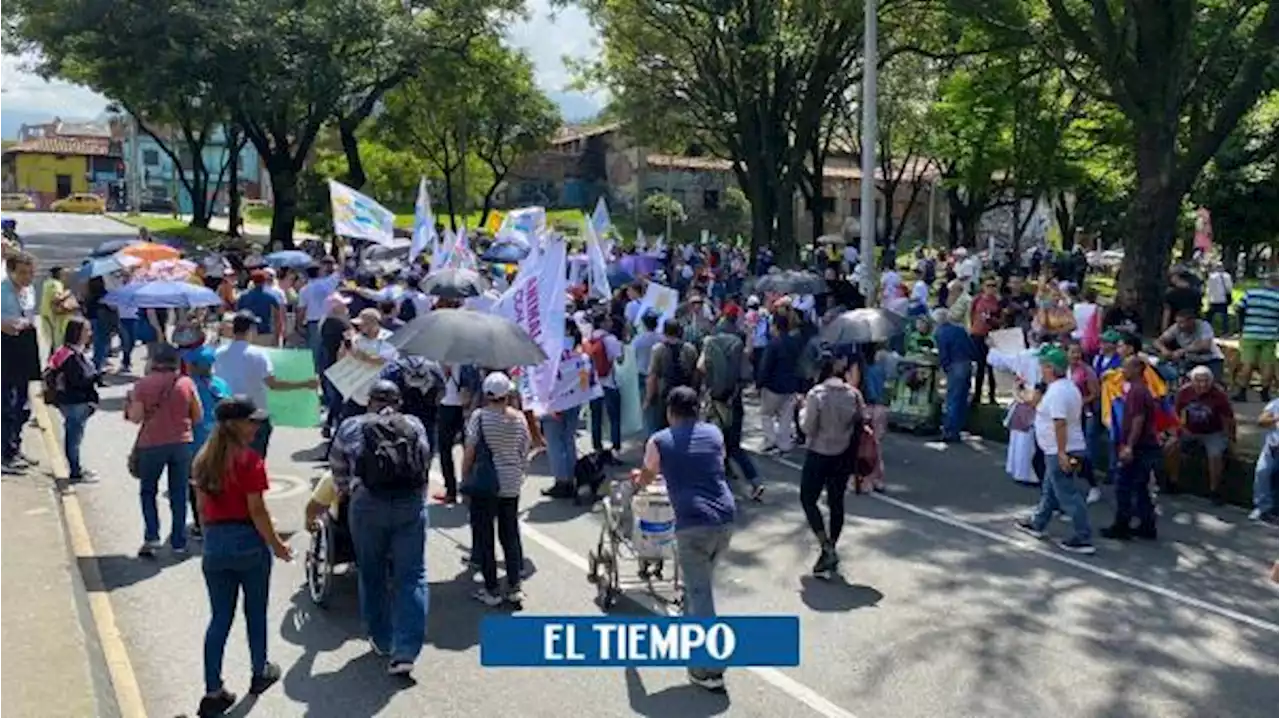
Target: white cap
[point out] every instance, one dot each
(497, 385)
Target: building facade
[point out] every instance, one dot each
(48, 168)
(162, 190)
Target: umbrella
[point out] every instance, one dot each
(397, 249)
(791, 281)
(165, 294)
(151, 252)
(505, 253)
(463, 336)
(455, 284)
(618, 276)
(102, 266)
(169, 269)
(289, 258)
(863, 326)
(111, 246)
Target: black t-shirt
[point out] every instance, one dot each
(1017, 308)
(1123, 319)
(333, 331)
(1180, 298)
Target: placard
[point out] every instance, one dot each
(1007, 341)
(298, 408)
(576, 384)
(353, 377)
(660, 300)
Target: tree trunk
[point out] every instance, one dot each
(355, 176)
(786, 249)
(199, 193)
(1153, 218)
(284, 184)
(448, 201)
(233, 186)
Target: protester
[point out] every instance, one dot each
(21, 352)
(1218, 287)
(212, 390)
(313, 299)
(1259, 332)
(643, 346)
(605, 351)
(1181, 299)
(832, 417)
(1138, 455)
(1086, 381)
(726, 368)
(1125, 316)
(779, 380)
(457, 399)
(494, 463)
(239, 542)
(166, 405)
(262, 303)
(955, 357)
(73, 380)
(57, 305)
(380, 459)
(984, 317)
(1207, 420)
(674, 363)
(1060, 436)
(1267, 468)
(689, 458)
(1189, 343)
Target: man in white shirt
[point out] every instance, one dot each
(606, 352)
(1218, 287)
(890, 280)
(247, 370)
(312, 298)
(1060, 436)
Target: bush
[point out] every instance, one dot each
(657, 209)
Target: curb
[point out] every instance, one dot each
(116, 684)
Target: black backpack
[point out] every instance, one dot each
(675, 373)
(393, 461)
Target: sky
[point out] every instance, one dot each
(547, 36)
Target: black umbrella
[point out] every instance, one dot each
(863, 326)
(455, 284)
(376, 252)
(791, 281)
(463, 336)
(111, 246)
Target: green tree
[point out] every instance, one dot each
(657, 211)
(734, 214)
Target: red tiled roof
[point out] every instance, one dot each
(915, 167)
(89, 147)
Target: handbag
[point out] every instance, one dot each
(135, 469)
(482, 480)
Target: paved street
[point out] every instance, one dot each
(944, 610)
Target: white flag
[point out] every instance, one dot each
(600, 222)
(358, 216)
(639, 240)
(424, 224)
(598, 272)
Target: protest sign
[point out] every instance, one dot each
(353, 377)
(299, 408)
(659, 300)
(576, 384)
(536, 303)
(1007, 341)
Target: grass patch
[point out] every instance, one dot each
(177, 229)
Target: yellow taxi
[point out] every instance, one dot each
(80, 204)
(16, 201)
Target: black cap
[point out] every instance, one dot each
(384, 391)
(239, 407)
(243, 321)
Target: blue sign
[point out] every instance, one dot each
(606, 641)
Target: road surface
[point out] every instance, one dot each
(944, 609)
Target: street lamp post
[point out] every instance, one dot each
(867, 220)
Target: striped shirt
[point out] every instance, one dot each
(507, 436)
(1261, 310)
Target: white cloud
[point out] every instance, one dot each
(25, 92)
(548, 36)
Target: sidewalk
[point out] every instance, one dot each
(53, 664)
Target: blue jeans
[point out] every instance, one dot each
(235, 559)
(1133, 496)
(332, 402)
(152, 462)
(1264, 482)
(74, 418)
(128, 336)
(313, 343)
(101, 342)
(393, 530)
(610, 404)
(16, 408)
(562, 450)
(1058, 492)
(698, 549)
(956, 410)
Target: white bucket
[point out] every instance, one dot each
(654, 520)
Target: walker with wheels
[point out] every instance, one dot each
(638, 525)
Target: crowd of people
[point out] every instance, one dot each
(1090, 391)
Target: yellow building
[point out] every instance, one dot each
(50, 168)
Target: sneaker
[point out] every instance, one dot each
(12, 468)
(149, 549)
(1094, 495)
(715, 684)
(1255, 515)
(487, 598)
(1026, 527)
(181, 551)
(560, 490)
(825, 564)
(514, 596)
(1075, 545)
(445, 497)
(216, 704)
(757, 493)
(195, 532)
(399, 668)
(260, 683)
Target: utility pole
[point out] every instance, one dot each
(867, 221)
(134, 171)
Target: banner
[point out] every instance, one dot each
(660, 300)
(536, 302)
(616, 641)
(599, 270)
(298, 408)
(353, 377)
(529, 221)
(460, 254)
(576, 384)
(600, 224)
(442, 249)
(357, 215)
(424, 224)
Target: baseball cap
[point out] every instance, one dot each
(237, 408)
(385, 391)
(1053, 356)
(753, 301)
(243, 320)
(1111, 336)
(200, 356)
(370, 315)
(497, 385)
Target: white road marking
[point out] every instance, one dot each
(1008, 540)
(772, 676)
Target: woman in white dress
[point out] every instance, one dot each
(1025, 367)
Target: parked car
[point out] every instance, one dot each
(80, 204)
(159, 205)
(16, 201)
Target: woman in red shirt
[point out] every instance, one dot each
(239, 540)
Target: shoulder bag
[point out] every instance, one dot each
(482, 480)
(147, 414)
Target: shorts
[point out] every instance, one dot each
(1257, 352)
(1215, 445)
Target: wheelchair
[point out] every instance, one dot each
(331, 548)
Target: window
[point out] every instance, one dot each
(150, 158)
(711, 199)
(827, 204)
